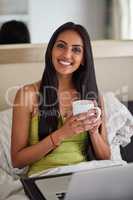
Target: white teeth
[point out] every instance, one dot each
(64, 63)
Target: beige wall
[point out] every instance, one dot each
(115, 75)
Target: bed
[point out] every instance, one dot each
(23, 64)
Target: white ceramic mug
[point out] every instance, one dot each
(81, 106)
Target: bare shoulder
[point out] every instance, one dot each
(26, 96)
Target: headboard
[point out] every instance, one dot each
(22, 64)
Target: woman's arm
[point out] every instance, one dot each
(21, 153)
(97, 131)
(99, 136)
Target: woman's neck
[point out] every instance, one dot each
(65, 83)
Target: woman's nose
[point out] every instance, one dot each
(67, 53)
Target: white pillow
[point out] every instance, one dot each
(5, 143)
(119, 123)
(5, 138)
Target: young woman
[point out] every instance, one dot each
(45, 133)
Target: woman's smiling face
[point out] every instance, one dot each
(67, 52)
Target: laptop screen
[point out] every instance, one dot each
(54, 188)
(114, 183)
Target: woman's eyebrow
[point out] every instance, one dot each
(61, 41)
(78, 45)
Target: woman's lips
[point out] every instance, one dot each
(65, 63)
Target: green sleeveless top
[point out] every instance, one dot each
(69, 152)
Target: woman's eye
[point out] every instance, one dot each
(60, 45)
(76, 50)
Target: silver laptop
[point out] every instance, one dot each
(114, 183)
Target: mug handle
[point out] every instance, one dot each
(98, 112)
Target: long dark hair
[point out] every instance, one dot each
(83, 78)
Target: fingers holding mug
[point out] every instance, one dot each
(94, 114)
(93, 124)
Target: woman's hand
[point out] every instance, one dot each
(91, 123)
(73, 126)
(82, 122)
